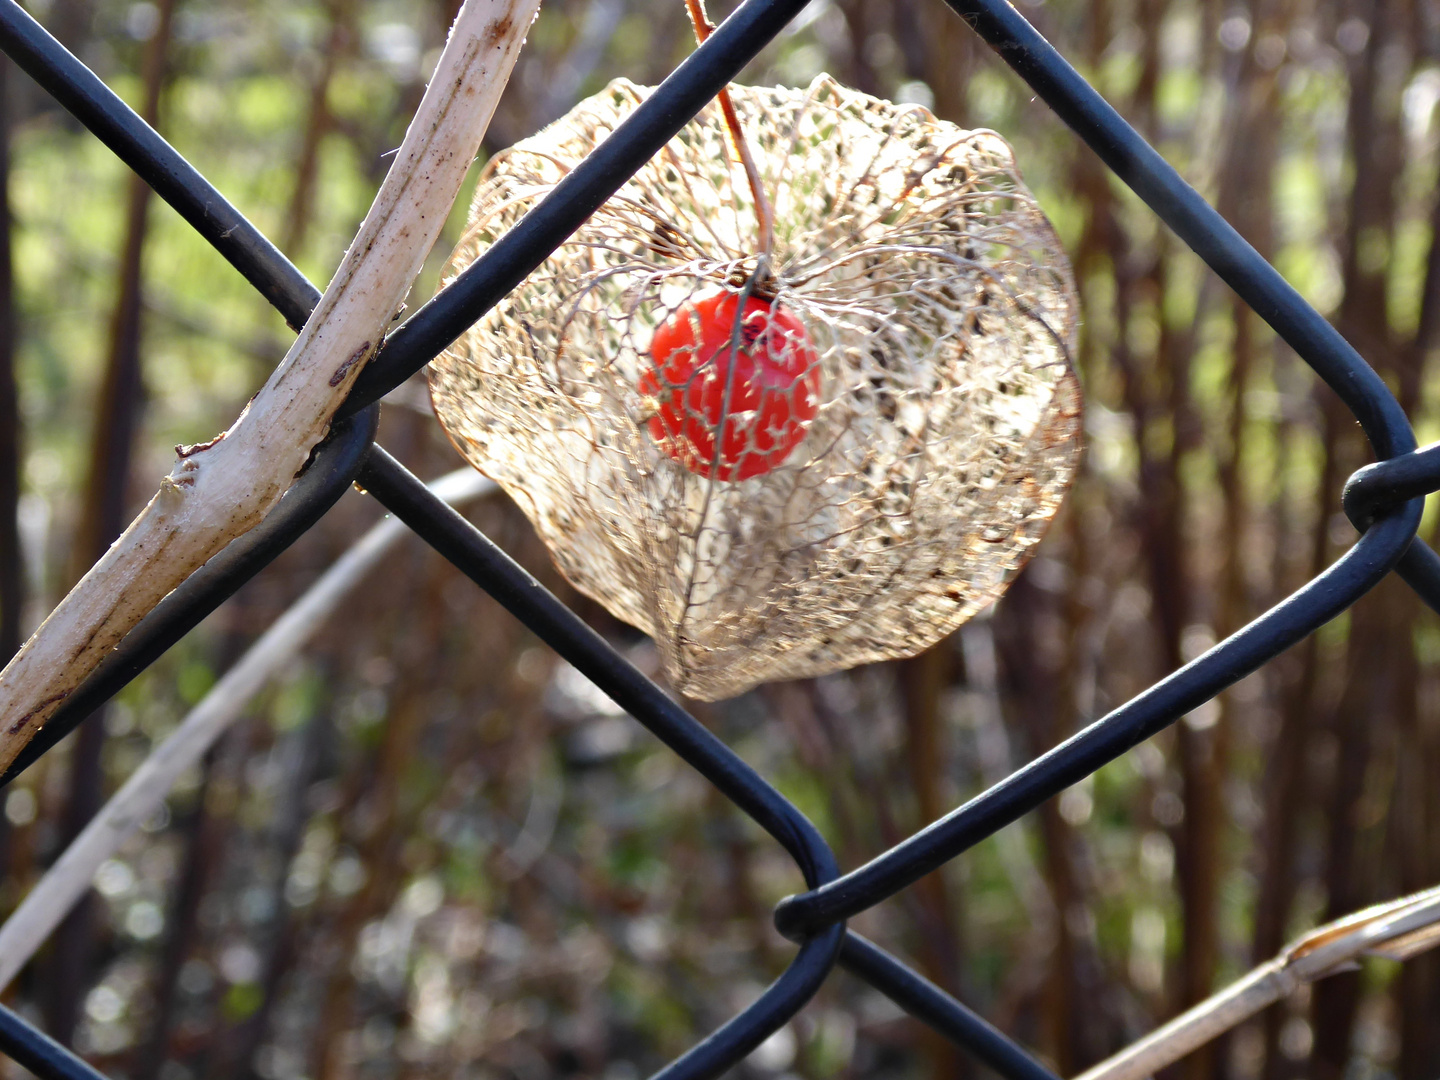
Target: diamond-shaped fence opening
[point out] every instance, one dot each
(1384, 500)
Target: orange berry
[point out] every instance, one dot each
(770, 371)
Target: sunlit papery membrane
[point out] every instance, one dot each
(942, 314)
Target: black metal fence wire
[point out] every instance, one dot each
(1384, 500)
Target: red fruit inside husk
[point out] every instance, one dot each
(772, 372)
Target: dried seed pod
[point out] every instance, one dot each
(646, 395)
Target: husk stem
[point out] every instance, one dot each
(764, 213)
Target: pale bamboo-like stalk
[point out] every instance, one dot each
(221, 489)
(143, 793)
(1398, 929)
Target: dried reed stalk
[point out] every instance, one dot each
(1396, 930)
(220, 489)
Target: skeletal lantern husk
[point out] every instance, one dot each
(942, 312)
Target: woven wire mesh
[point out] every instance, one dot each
(1383, 499)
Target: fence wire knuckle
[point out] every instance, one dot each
(1384, 500)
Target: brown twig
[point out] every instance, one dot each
(763, 212)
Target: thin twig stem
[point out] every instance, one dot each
(764, 214)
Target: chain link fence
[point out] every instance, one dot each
(1384, 500)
